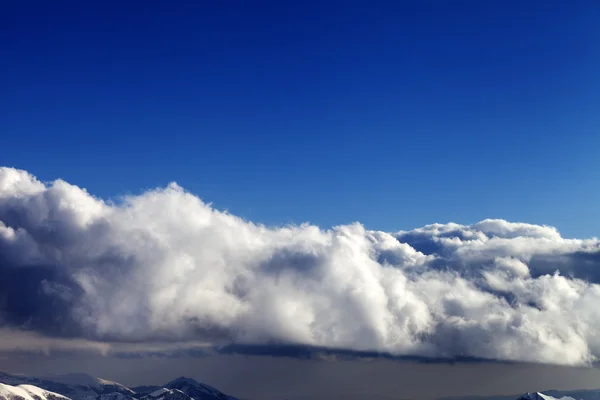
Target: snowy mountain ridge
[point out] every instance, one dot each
(581, 394)
(541, 396)
(85, 387)
(73, 386)
(167, 394)
(27, 392)
(197, 390)
(86, 380)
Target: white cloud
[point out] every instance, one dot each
(164, 267)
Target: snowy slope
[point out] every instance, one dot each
(541, 396)
(86, 380)
(575, 394)
(197, 390)
(141, 391)
(74, 386)
(86, 387)
(97, 385)
(27, 392)
(581, 394)
(167, 394)
(535, 396)
(115, 396)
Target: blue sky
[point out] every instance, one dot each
(394, 114)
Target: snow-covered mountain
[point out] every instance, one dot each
(74, 386)
(27, 392)
(166, 394)
(197, 390)
(575, 394)
(545, 395)
(541, 396)
(141, 391)
(86, 387)
(114, 396)
(100, 386)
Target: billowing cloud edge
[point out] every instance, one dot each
(165, 270)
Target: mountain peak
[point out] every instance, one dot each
(79, 386)
(195, 389)
(182, 380)
(535, 396)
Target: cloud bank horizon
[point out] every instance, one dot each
(163, 269)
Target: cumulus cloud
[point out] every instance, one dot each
(165, 267)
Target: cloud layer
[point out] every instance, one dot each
(164, 267)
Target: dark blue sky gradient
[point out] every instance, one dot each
(395, 114)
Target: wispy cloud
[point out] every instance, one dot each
(164, 267)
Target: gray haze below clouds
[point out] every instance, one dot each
(163, 271)
(279, 378)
